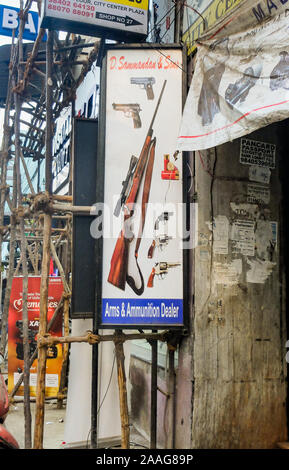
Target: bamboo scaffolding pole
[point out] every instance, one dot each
(42, 352)
(4, 164)
(121, 377)
(60, 394)
(48, 340)
(25, 321)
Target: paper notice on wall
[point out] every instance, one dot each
(221, 235)
(259, 271)
(243, 237)
(258, 194)
(254, 152)
(259, 174)
(228, 273)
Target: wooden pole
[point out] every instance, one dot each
(42, 352)
(25, 320)
(121, 377)
(65, 353)
(4, 163)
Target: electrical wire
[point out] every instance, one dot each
(106, 392)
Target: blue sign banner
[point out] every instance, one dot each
(9, 21)
(142, 311)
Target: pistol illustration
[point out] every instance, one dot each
(131, 110)
(160, 269)
(145, 83)
(126, 185)
(160, 241)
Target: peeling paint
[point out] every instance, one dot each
(266, 239)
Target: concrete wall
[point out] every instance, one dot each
(239, 331)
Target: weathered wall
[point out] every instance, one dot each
(231, 386)
(239, 331)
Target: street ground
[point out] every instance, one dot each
(53, 424)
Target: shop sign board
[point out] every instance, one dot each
(201, 16)
(142, 281)
(9, 22)
(112, 19)
(15, 334)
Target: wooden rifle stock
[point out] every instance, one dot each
(119, 261)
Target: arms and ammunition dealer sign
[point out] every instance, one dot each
(142, 251)
(113, 19)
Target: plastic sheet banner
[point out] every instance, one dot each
(15, 334)
(240, 84)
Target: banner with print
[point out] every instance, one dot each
(240, 84)
(15, 334)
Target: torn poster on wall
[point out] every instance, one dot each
(243, 237)
(228, 273)
(259, 174)
(259, 270)
(240, 84)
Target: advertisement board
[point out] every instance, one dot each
(142, 216)
(15, 334)
(113, 19)
(9, 22)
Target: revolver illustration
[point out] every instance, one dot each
(145, 83)
(131, 110)
(160, 269)
(159, 241)
(126, 185)
(164, 217)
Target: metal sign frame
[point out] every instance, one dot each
(101, 195)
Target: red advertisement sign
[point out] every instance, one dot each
(15, 334)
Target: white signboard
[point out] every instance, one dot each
(142, 281)
(93, 17)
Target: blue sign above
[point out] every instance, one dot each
(9, 21)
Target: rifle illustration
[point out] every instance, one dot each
(159, 241)
(130, 110)
(119, 261)
(160, 270)
(126, 185)
(145, 83)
